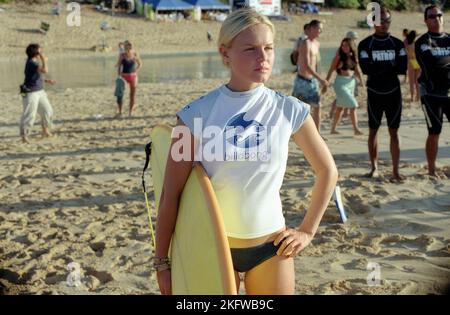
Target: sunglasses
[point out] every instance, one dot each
(385, 21)
(433, 16)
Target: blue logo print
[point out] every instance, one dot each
(246, 133)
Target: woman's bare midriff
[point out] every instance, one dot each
(250, 242)
(346, 73)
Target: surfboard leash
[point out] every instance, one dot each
(148, 152)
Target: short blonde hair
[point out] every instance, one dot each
(238, 21)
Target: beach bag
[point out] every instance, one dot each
(23, 89)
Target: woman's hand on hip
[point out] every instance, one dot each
(292, 242)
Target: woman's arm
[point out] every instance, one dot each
(321, 160)
(139, 62)
(333, 67)
(175, 177)
(358, 73)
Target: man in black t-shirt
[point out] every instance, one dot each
(433, 55)
(382, 58)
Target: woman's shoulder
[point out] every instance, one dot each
(285, 100)
(205, 101)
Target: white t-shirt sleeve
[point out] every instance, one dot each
(199, 110)
(189, 113)
(296, 112)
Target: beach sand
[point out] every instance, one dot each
(77, 197)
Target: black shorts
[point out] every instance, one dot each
(434, 109)
(391, 104)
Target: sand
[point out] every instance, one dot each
(77, 197)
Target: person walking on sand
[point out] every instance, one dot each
(345, 63)
(129, 65)
(433, 55)
(382, 58)
(353, 36)
(248, 189)
(34, 97)
(405, 34)
(307, 80)
(413, 66)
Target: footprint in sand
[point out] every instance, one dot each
(360, 264)
(98, 248)
(103, 276)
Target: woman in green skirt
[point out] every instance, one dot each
(345, 63)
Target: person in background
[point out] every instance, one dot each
(433, 55)
(308, 81)
(345, 63)
(413, 66)
(382, 58)
(34, 98)
(404, 34)
(353, 36)
(129, 65)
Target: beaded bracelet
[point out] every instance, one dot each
(161, 267)
(158, 260)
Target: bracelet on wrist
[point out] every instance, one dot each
(161, 260)
(161, 267)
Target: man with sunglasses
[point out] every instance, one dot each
(433, 55)
(382, 58)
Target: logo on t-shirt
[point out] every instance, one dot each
(363, 54)
(244, 133)
(424, 47)
(383, 55)
(440, 51)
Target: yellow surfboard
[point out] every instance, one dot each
(199, 251)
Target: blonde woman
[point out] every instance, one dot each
(262, 246)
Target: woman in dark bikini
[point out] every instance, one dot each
(129, 65)
(345, 63)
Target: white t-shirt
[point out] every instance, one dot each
(243, 146)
